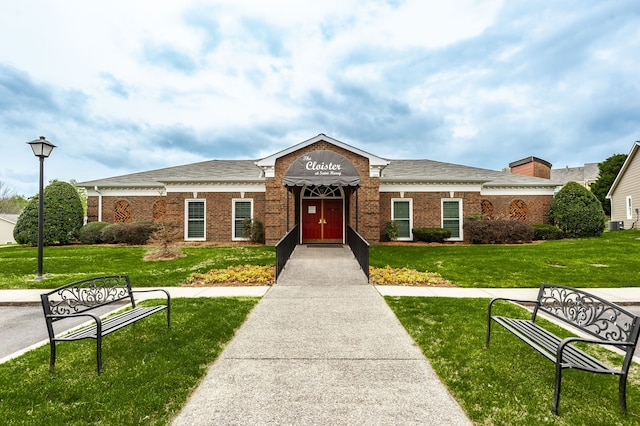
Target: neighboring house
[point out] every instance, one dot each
(323, 185)
(7, 223)
(625, 193)
(585, 175)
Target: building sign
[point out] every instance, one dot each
(322, 168)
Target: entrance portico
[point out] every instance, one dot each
(324, 169)
(325, 179)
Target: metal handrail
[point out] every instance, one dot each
(360, 248)
(284, 248)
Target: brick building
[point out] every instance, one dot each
(324, 185)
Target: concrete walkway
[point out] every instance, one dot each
(321, 348)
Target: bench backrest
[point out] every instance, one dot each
(88, 294)
(589, 313)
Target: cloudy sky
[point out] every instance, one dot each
(125, 86)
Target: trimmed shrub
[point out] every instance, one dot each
(134, 234)
(431, 235)
(391, 230)
(108, 233)
(546, 232)
(253, 230)
(128, 233)
(577, 212)
(497, 232)
(63, 216)
(91, 233)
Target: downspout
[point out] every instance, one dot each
(357, 210)
(95, 188)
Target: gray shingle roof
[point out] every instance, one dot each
(588, 173)
(206, 171)
(435, 171)
(246, 171)
(12, 218)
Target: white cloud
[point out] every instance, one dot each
(127, 86)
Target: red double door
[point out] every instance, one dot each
(322, 220)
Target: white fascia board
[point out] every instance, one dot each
(126, 192)
(518, 191)
(623, 169)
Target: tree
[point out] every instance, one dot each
(609, 169)
(10, 203)
(577, 212)
(63, 216)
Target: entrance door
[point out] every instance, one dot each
(322, 221)
(333, 218)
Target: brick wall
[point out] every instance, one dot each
(427, 209)
(219, 210)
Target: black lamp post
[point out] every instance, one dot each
(41, 149)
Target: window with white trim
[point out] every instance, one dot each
(452, 217)
(402, 215)
(242, 209)
(629, 207)
(195, 220)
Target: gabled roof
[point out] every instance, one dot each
(270, 161)
(623, 169)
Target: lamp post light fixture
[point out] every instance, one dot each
(42, 149)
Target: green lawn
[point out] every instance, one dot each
(509, 383)
(612, 260)
(149, 370)
(18, 264)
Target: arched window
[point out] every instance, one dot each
(159, 210)
(518, 210)
(122, 212)
(486, 207)
(322, 191)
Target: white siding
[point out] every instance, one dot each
(628, 186)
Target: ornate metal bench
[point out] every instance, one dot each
(604, 322)
(79, 298)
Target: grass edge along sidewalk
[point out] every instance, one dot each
(610, 260)
(509, 383)
(149, 371)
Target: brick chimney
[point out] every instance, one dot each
(531, 166)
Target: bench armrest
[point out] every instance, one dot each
(152, 290)
(568, 340)
(495, 299)
(94, 317)
(506, 299)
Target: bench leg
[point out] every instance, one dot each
(622, 392)
(556, 396)
(99, 353)
(52, 355)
